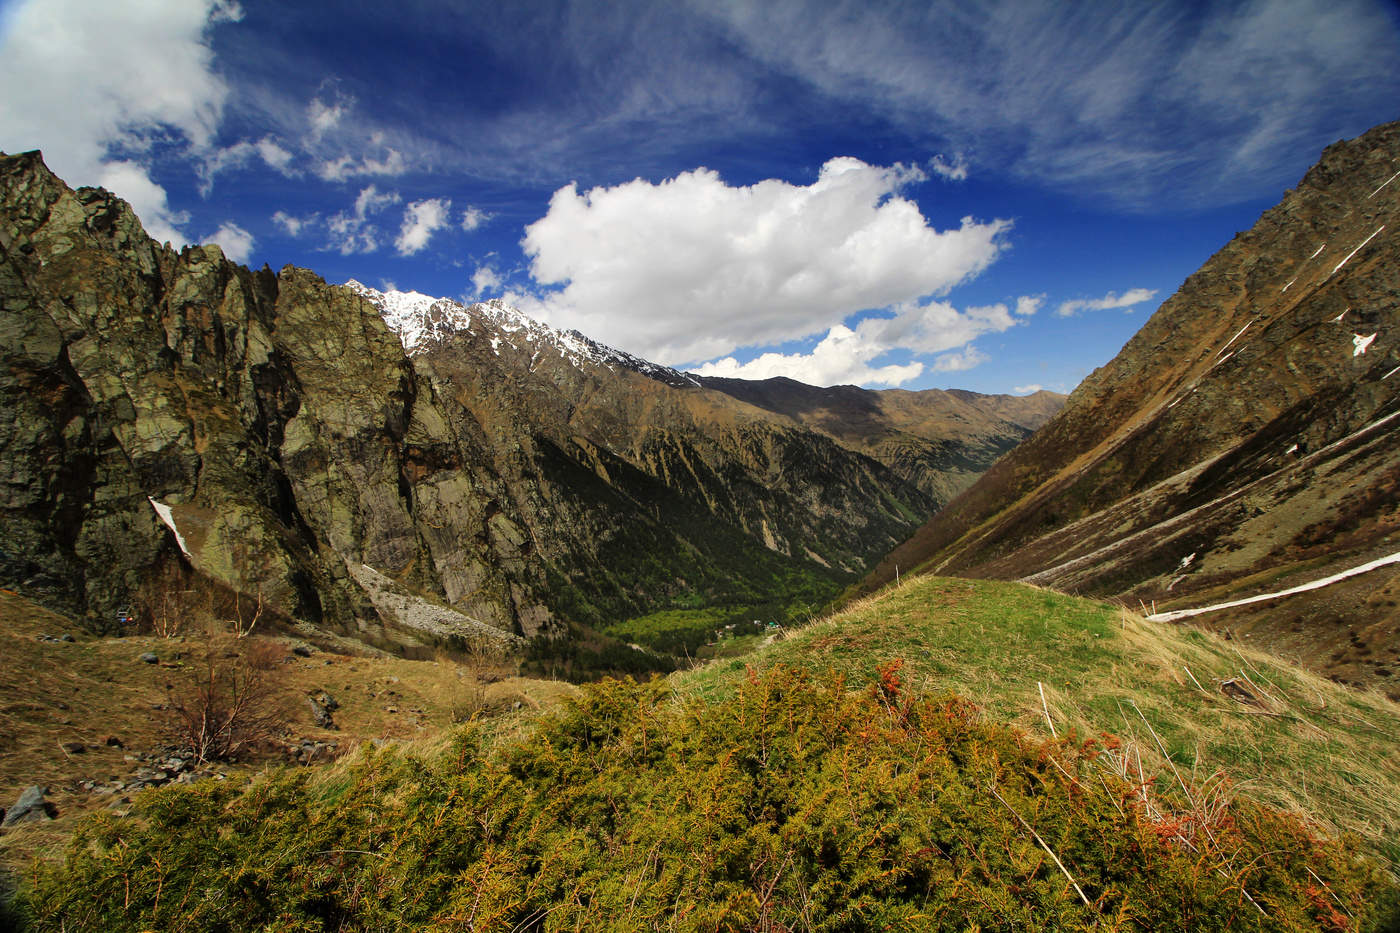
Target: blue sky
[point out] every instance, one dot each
(990, 196)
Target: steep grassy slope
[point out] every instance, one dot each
(1243, 442)
(780, 794)
(1283, 735)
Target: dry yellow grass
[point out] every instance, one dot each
(92, 688)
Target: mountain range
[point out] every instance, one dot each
(400, 469)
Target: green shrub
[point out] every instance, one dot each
(795, 804)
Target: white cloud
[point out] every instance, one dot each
(323, 116)
(148, 199)
(1133, 296)
(294, 225)
(238, 155)
(483, 279)
(473, 218)
(346, 167)
(955, 170)
(275, 155)
(94, 82)
(351, 231)
(960, 360)
(421, 220)
(840, 358)
(1031, 389)
(847, 355)
(692, 268)
(371, 201)
(1027, 305)
(236, 242)
(221, 160)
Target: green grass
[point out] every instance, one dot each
(1325, 752)
(687, 633)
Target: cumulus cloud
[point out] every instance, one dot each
(484, 279)
(97, 117)
(850, 355)
(473, 218)
(371, 201)
(1133, 296)
(1027, 305)
(236, 242)
(1030, 389)
(692, 268)
(960, 360)
(421, 219)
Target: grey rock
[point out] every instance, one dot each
(30, 807)
(149, 657)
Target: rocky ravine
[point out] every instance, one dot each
(176, 416)
(1245, 441)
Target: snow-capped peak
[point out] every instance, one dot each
(421, 320)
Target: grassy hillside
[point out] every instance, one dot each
(1281, 734)
(834, 780)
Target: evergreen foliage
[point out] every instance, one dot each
(793, 803)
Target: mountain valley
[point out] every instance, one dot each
(425, 515)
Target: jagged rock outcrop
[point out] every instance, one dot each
(1244, 441)
(261, 424)
(176, 417)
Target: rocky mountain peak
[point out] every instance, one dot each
(422, 322)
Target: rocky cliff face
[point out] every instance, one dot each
(1244, 441)
(269, 435)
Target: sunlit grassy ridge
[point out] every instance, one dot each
(832, 782)
(1327, 752)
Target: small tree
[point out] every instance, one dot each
(229, 700)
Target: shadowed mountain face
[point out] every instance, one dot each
(1245, 441)
(269, 433)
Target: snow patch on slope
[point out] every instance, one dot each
(168, 517)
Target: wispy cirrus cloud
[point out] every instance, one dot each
(1141, 100)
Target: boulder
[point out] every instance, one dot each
(31, 806)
